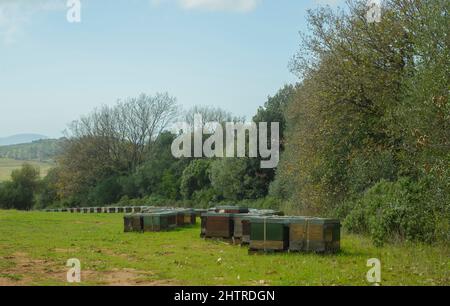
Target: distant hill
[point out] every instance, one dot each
(40, 150)
(20, 138)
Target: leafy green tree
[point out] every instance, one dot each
(372, 106)
(19, 193)
(48, 189)
(196, 176)
(234, 179)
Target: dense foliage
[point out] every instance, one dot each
(369, 129)
(19, 192)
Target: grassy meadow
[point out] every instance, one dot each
(35, 246)
(7, 166)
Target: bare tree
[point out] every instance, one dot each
(211, 114)
(116, 139)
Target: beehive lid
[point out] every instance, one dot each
(273, 220)
(184, 210)
(245, 216)
(323, 221)
(214, 214)
(161, 213)
(233, 208)
(296, 219)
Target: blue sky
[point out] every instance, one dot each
(227, 53)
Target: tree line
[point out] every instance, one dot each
(365, 135)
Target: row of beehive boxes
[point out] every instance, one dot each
(93, 210)
(263, 232)
(157, 220)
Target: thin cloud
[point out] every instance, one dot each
(15, 15)
(220, 5)
(240, 6)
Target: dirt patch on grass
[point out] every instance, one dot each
(27, 271)
(125, 277)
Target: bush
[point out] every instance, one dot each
(394, 210)
(106, 192)
(19, 193)
(195, 177)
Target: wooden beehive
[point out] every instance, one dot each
(133, 223)
(219, 225)
(246, 231)
(199, 212)
(159, 221)
(112, 210)
(180, 217)
(238, 223)
(202, 226)
(314, 235)
(185, 217)
(269, 234)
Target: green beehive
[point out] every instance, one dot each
(242, 223)
(133, 223)
(85, 210)
(314, 235)
(159, 221)
(128, 209)
(269, 234)
(120, 210)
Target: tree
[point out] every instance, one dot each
(273, 111)
(48, 189)
(19, 193)
(113, 141)
(211, 114)
(233, 179)
(372, 107)
(195, 177)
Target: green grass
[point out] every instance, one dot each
(7, 166)
(34, 248)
